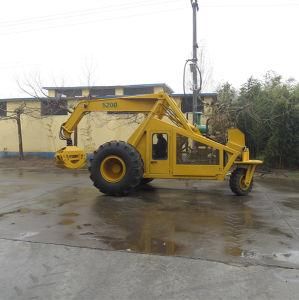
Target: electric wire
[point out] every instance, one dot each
(127, 5)
(249, 5)
(76, 16)
(245, 4)
(86, 12)
(94, 20)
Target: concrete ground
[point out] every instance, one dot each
(61, 239)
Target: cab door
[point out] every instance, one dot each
(159, 143)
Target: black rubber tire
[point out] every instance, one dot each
(146, 180)
(234, 182)
(133, 163)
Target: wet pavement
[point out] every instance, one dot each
(192, 219)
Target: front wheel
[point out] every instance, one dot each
(237, 182)
(116, 168)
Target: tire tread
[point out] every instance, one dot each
(134, 169)
(234, 182)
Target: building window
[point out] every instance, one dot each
(70, 93)
(53, 107)
(130, 91)
(102, 92)
(65, 93)
(3, 109)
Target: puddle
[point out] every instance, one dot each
(291, 256)
(66, 222)
(25, 235)
(288, 276)
(277, 231)
(280, 184)
(202, 220)
(87, 233)
(22, 210)
(292, 202)
(65, 202)
(71, 214)
(6, 189)
(174, 222)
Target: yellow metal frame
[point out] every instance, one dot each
(70, 157)
(164, 116)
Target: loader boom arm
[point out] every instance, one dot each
(158, 104)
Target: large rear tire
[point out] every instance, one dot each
(146, 180)
(236, 182)
(116, 168)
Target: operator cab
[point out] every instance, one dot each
(160, 146)
(159, 162)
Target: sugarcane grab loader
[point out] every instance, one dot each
(165, 145)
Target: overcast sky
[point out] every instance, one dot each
(143, 41)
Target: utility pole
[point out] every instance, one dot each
(194, 67)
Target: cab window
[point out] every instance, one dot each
(160, 146)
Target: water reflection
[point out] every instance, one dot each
(176, 222)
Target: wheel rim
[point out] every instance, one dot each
(113, 169)
(242, 184)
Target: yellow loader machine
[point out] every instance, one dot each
(165, 145)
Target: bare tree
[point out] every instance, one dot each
(16, 115)
(205, 68)
(205, 71)
(32, 86)
(89, 71)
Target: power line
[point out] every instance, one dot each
(246, 4)
(250, 5)
(86, 12)
(254, 2)
(90, 21)
(129, 5)
(81, 17)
